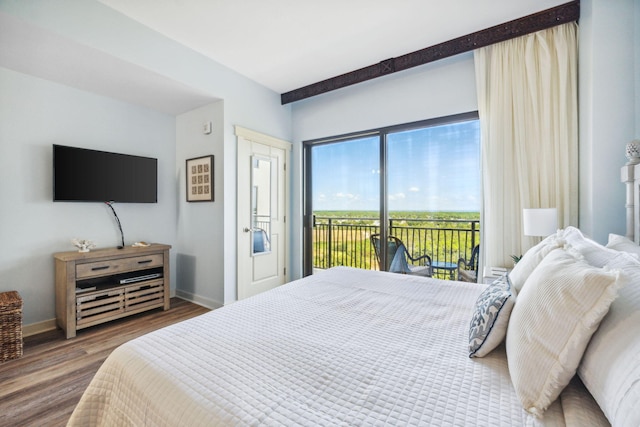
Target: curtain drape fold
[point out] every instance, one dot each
(527, 103)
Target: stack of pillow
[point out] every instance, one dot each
(577, 310)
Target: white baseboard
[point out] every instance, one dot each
(38, 328)
(196, 299)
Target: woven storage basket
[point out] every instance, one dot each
(10, 325)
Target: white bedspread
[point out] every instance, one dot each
(343, 347)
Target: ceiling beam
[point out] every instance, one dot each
(558, 15)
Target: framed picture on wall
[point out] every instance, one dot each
(200, 179)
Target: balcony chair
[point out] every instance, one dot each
(468, 270)
(261, 241)
(399, 259)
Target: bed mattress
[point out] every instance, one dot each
(342, 347)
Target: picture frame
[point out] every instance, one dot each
(199, 179)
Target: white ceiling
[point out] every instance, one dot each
(282, 44)
(287, 44)
(33, 50)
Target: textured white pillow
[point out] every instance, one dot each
(491, 317)
(621, 243)
(558, 310)
(532, 258)
(610, 368)
(579, 408)
(593, 252)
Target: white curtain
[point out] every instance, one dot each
(527, 103)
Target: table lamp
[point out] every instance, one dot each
(540, 222)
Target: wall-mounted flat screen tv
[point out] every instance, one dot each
(82, 175)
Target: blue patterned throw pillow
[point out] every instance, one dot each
(491, 316)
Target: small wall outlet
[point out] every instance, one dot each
(206, 128)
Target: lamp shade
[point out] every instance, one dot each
(540, 222)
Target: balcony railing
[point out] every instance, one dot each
(346, 241)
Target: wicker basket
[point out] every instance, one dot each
(10, 326)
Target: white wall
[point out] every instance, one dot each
(207, 229)
(608, 116)
(434, 90)
(199, 270)
(636, 43)
(35, 114)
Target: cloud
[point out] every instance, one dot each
(414, 189)
(397, 196)
(345, 195)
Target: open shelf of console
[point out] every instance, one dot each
(107, 284)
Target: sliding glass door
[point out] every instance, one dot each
(418, 183)
(433, 191)
(345, 199)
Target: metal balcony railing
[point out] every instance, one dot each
(346, 241)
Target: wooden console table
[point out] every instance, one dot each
(107, 284)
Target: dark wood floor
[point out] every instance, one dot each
(43, 387)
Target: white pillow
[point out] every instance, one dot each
(593, 252)
(491, 317)
(621, 243)
(558, 310)
(532, 258)
(579, 408)
(610, 368)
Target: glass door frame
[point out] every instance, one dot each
(382, 133)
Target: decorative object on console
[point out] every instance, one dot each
(199, 174)
(83, 245)
(540, 222)
(633, 152)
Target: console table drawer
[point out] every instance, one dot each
(105, 268)
(146, 294)
(95, 307)
(98, 306)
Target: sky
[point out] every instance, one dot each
(430, 169)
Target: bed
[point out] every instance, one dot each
(356, 347)
(344, 347)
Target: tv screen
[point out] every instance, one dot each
(82, 175)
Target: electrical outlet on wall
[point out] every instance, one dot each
(206, 128)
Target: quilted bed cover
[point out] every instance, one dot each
(342, 347)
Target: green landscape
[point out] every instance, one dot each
(444, 236)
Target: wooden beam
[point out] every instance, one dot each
(558, 15)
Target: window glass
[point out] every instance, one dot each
(425, 191)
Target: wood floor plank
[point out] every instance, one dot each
(44, 386)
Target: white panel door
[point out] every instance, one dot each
(262, 208)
